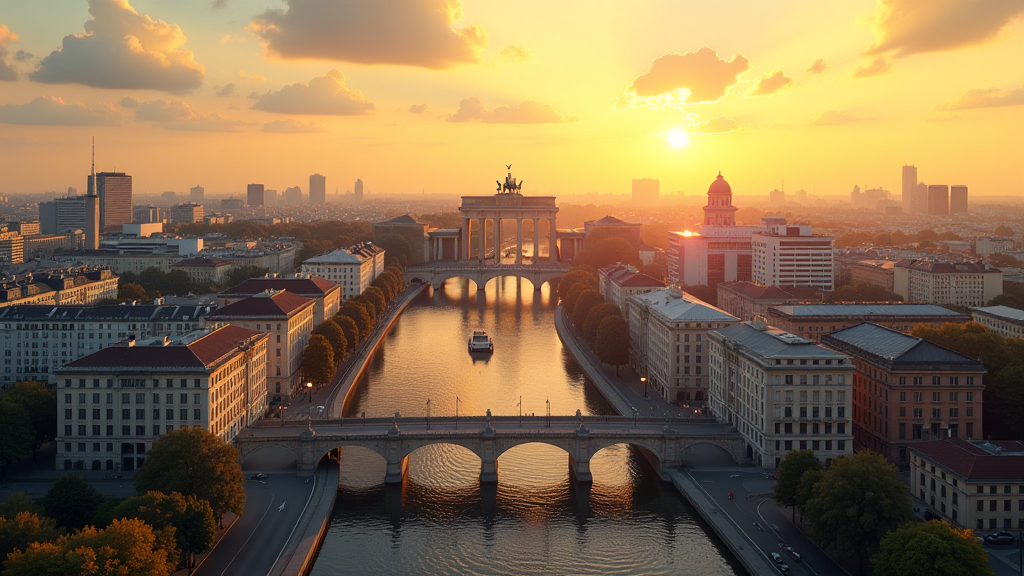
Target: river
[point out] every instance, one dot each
(535, 520)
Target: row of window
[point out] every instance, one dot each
(787, 412)
(126, 429)
(132, 383)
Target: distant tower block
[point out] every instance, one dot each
(197, 194)
(909, 181)
(359, 190)
(254, 194)
(958, 199)
(317, 189)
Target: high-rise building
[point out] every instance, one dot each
(254, 195)
(317, 189)
(188, 213)
(909, 180)
(197, 194)
(292, 196)
(359, 190)
(938, 200)
(270, 197)
(645, 190)
(115, 199)
(12, 247)
(790, 255)
(958, 199)
(148, 214)
(919, 199)
(62, 214)
(777, 197)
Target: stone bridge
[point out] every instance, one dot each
(664, 441)
(436, 274)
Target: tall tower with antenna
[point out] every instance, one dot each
(92, 208)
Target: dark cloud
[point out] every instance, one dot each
(832, 118)
(179, 115)
(704, 75)
(125, 50)
(219, 4)
(52, 111)
(910, 26)
(990, 98)
(408, 32)
(7, 74)
(225, 91)
(526, 112)
(818, 67)
(417, 108)
(877, 67)
(325, 94)
(253, 95)
(770, 83)
(289, 126)
(22, 56)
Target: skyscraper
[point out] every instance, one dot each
(63, 214)
(254, 195)
(919, 199)
(115, 193)
(292, 196)
(197, 194)
(909, 179)
(317, 189)
(938, 200)
(92, 207)
(958, 199)
(646, 190)
(270, 197)
(359, 190)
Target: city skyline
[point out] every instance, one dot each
(450, 91)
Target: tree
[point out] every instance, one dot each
(399, 272)
(335, 336)
(41, 403)
(613, 341)
(125, 547)
(569, 302)
(238, 275)
(610, 251)
(17, 435)
(1004, 230)
(383, 284)
(931, 549)
(574, 277)
(71, 502)
(318, 364)
(133, 291)
(19, 502)
(376, 298)
(360, 317)
(396, 249)
(859, 500)
(348, 326)
(791, 470)
(807, 490)
(1003, 261)
(192, 519)
(365, 304)
(584, 304)
(594, 318)
(195, 462)
(24, 528)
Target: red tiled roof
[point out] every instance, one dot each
(973, 462)
(311, 286)
(265, 304)
(199, 354)
(216, 344)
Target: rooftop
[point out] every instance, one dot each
(338, 256)
(198, 350)
(201, 262)
(897, 350)
(933, 267)
(610, 221)
(978, 461)
(271, 303)
(303, 285)
(111, 312)
(404, 219)
(768, 342)
(675, 306)
(1004, 312)
(865, 310)
(759, 292)
(630, 277)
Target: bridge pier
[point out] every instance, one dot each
(396, 470)
(580, 470)
(309, 456)
(488, 455)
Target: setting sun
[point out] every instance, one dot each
(677, 138)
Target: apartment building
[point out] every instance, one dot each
(115, 403)
(668, 330)
(619, 283)
(781, 391)
(791, 255)
(1008, 322)
(907, 389)
(747, 300)
(815, 320)
(354, 269)
(958, 283)
(57, 287)
(326, 295)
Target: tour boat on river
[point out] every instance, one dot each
(481, 342)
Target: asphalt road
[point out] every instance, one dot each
(254, 543)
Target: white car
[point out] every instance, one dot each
(796, 555)
(777, 557)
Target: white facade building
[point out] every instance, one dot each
(354, 269)
(1008, 322)
(791, 255)
(782, 392)
(619, 283)
(113, 404)
(989, 246)
(964, 284)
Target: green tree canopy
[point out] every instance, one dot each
(384, 283)
(19, 502)
(574, 277)
(335, 336)
(132, 291)
(195, 462)
(348, 326)
(1004, 402)
(584, 304)
(360, 317)
(807, 490)
(790, 473)
(17, 435)
(376, 297)
(569, 302)
(859, 500)
(656, 270)
(613, 341)
(71, 502)
(318, 365)
(1004, 230)
(610, 251)
(41, 403)
(396, 249)
(364, 303)
(125, 547)
(192, 519)
(24, 528)
(931, 549)
(594, 318)
(399, 272)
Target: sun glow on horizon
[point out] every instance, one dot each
(677, 138)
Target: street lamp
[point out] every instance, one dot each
(644, 380)
(548, 403)
(457, 412)
(428, 413)
(309, 410)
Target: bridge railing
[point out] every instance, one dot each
(503, 421)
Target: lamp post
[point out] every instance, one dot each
(548, 404)
(520, 411)
(309, 410)
(644, 380)
(428, 413)
(457, 412)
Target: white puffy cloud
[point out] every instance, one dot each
(407, 32)
(7, 74)
(770, 83)
(909, 27)
(179, 115)
(877, 67)
(989, 98)
(526, 112)
(690, 78)
(289, 126)
(325, 94)
(125, 50)
(52, 111)
(832, 118)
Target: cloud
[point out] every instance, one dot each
(877, 67)
(52, 111)
(515, 54)
(225, 91)
(219, 4)
(125, 50)
(832, 118)
(908, 27)
(406, 32)
(289, 126)
(691, 78)
(22, 56)
(325, 94)
(713, 125)
(417, 108)
(7, 74)
(228, 39)
(818, 67)
(179, 115)
(526, 112)
(770, 83)
(251, 77)
(253, 95)
(990, 98)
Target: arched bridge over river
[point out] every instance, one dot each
(481, 273)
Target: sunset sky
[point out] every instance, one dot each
(579, 96)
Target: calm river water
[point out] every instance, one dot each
(535, 520)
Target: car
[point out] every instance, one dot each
(784, 568)
(777, 557)
(1000, 538)
(796, 555)
(258, 476)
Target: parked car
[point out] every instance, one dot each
(1000, 538)
(796, 555)
(258, 476)
(777, 557)
(784, 568)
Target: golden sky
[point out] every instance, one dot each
(579, 96)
